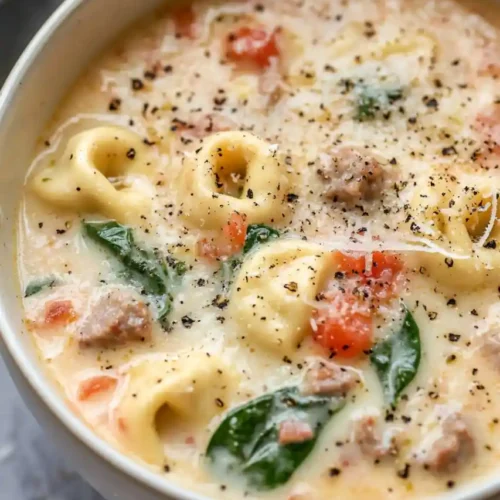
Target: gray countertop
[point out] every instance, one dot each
(30, 468)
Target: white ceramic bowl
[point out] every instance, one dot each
(64, 46)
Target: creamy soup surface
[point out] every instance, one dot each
(260, 252)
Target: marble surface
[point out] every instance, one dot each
(30, 468)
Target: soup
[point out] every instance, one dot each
(259, 248)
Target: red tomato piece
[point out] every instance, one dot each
(350, 264)
(345, 327)
(59, 312)
(231, 241)
(385, 265)
(382, 262)
(253, 45)
(236, 231)
(94, 385)
(294, 431)
(185, 22)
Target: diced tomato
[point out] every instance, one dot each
(185, 22)
(294, 431)
(59, 313)
(345, 327)
(231, 241)
(236, 231)
(380, 279)
(350, 264)
(94, 385)
(253, 45)
(385, 265)
(382, 262)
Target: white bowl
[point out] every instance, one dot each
(63, 47)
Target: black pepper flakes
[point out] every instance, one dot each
(449, 150)
(187, 322)
(131, 154)
(137, 84)
(334, 472)
(405, 472)
(220, 301)
(114, 104)
(453, 337)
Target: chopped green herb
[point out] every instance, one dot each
(372, 100)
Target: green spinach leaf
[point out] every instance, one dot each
(371, 100)
(38, 285)
(258, 234)
(246, 443)
(143, 268)
(396, 359)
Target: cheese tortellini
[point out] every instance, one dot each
(233, 172)
(189, 387)
(96, 173)
(455, 211)
(273, 296)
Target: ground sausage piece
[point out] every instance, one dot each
(328, 379)
(115, 318)
(351, 176)
(366, 437)
(452, 448)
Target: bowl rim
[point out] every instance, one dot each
(42, 386)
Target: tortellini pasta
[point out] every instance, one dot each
(82, 179)
(273, 296)
(459, 213)
(233, 172)
(189, 387)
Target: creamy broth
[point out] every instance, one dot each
(241, 197)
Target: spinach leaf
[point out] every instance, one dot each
(370, 100)
(38, 285)
(397, 358)
(246, 442)
(257, 234)
(143, 268)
